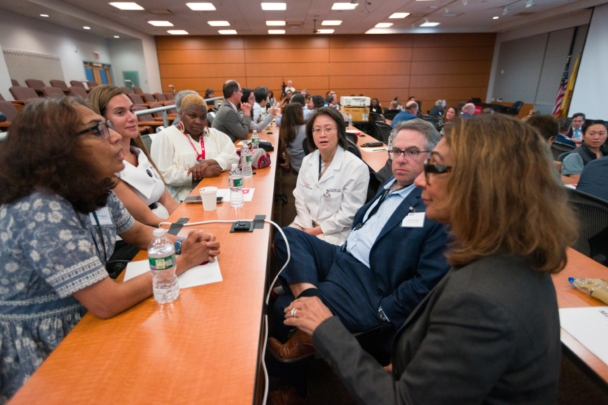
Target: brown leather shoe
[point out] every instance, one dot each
(297, 347)
(285, 396)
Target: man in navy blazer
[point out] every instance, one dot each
(390, 261)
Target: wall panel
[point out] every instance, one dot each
(428, 66)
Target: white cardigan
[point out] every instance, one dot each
(173, 154)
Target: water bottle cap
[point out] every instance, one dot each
(234, 166)
(159, 233)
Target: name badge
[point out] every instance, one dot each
(413, 220)
(103, 215)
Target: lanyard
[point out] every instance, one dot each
(199, 156)
(375, 209)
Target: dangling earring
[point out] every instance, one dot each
(181, 127)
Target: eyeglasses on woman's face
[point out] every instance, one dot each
(101, 130)
(431, 168)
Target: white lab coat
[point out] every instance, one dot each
(333, 201)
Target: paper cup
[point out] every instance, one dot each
(209, 196)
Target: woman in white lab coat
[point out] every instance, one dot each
(332, 183)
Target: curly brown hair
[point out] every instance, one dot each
(42, 152)
(506, 195)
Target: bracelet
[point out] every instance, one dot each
(178, 246)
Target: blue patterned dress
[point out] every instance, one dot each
(47, 253)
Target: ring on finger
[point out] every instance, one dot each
(293, 312)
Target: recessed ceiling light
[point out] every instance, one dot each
(44, 15)
(276, 31)
(178, 32)
(160, 23)
(201, 6)
(127, 6)
(274, 6)
(495, 17)
(86, 28)
(331, 22)
(116, 36)
(344, 6)
(378, 31)
(383, 25)
(227, 32)
(399, 15)
(219, 23)
(275, 23)
(429, 24)
(425, 0)
(325, 31)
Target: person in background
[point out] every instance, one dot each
(562, 136)
(411, 109)
(392, 111)
(189, 152)
(317, 102)
(227, 119)
(332, 183)
(332, 101)
(304, 92)
(399, 106)
(178, 102)
(467, 110)
(546, 125)
(375, 106)
(287, 99)
(209, 93)
(296, 98)
(575, 133)
(248, 97)
(489, 332)
(594, 136)
(271, 100)
(292, 134)
(59, 219)
(438, 110)
(290, 87)
(594, 178)
(450, 114)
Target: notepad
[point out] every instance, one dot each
(589, 326)
(198, 275)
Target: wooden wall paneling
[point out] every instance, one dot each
(183, 71)
(210, 56)
(369, 68)
(450, 68)
(370, 54)
(275, 82)
(288, 42)
(461, 94)
(286, 55)
(184, 43)
(452, 53)
(292, 69)
(447, 81)
(371, 41)
(369, 82)
(200, 84)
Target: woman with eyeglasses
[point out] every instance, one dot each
(594, 137)
(332, 182)
(58, 222)
(489, 331)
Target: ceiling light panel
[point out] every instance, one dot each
(429, 24)
(227, 32)
(160, 23)
(325, 31)
(178, 32)
(127, 6)
(86, 28)
(383, 25)
(274, 6)
(276, 32)
(344, 6)
(201, 6)
(219, 23)
(399, 15)
(275, 23)
(331, 22)
(44, 15)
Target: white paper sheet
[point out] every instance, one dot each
(198, 275)
(225, 192)
(589, 326)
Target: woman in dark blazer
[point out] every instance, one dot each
(375, 106)
(489, 331)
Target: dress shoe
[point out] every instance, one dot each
(285, 396)
(298, 346)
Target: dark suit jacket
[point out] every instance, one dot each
(227, 121)
(487, 334)
(571, 131)
(406, 263)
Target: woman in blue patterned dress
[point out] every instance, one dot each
(58, 223)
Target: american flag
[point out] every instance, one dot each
(561, 90)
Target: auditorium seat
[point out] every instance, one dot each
(77, 83)
(158, 116)
(92, 84)
(60, 84)
(137, 100)
(80, 92)
(52, 92)
(126, 90)
(160, 97)
(384, 131)
(148, 98)
(15, 82)
(8, 109)
(137, 90)
(169, 95)
(35, 84)
(22, 94)
(146, 122)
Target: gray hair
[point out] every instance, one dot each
(180, 96)
(425, 128)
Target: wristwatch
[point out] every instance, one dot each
(178, 246)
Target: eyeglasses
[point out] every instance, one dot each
(408, 153)
(435, 169)
(102, 130)
(323, 130)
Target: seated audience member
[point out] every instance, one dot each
(594, 136)
(248, 97)
(438, 110)
(375, 106)
(59, 219)
(468, 110)
(546, 125)
(411, 109)
(292, 134)
(227, 119)
(332, 101)
(450, 114)
(209, 93)
(488, 333)
(317, 102)
(296, 98)
(178, 102)
(594, 179)
(575, 133)
(385, 267)
(392, 111)
(287, 99)
(332, 182)
(290, 87)
(190, 151)
(399, 106)
(304, 92)
(271, 100)
(562, 136)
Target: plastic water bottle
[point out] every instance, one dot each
(246, 162)
(255, 140)
(235, 180)
(350, 120)
(161, 254)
